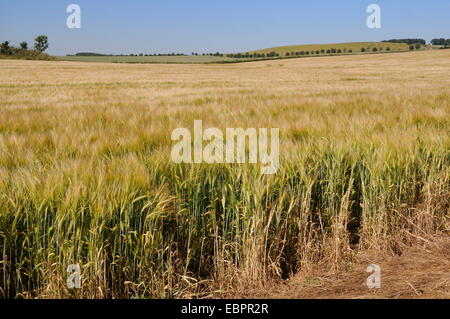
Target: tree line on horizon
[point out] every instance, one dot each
(131, 54)
(441, 41)
(414, 44)
(260, 55)
(437, 41)
(218, 54)
(407, 41)
(41, 44)
(23, 51)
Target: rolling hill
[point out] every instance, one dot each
(355, 47)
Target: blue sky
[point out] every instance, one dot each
(153, 26)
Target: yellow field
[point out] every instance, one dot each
(86, 175)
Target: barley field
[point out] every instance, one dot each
(86, 175)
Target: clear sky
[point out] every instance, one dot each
(184, 26)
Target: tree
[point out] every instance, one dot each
(411, 47)
(41, 43)
(407, 41)
(418, 46)
(363, 49)
(437, 41)
(24, 45)
(5, 48)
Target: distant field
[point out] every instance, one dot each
(148, 59)
(345, 48)
(354, 46)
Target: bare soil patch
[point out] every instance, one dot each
(417, 273)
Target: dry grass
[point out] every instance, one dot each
(86, 177)
(419, 272)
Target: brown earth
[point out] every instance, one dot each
(416, 273)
